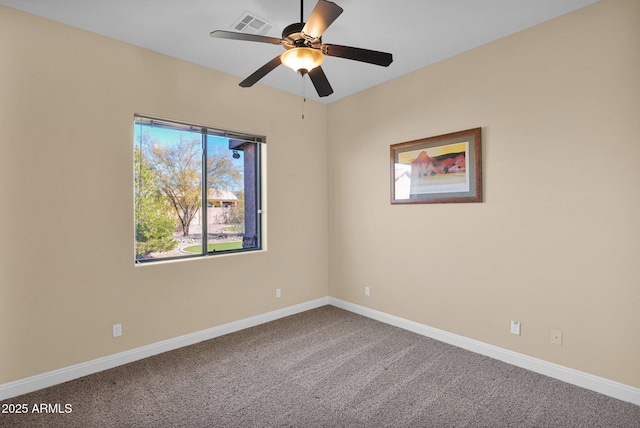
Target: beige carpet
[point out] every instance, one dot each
(322, 368)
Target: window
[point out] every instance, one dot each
(196, 190)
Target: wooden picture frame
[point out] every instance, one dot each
(442, 169)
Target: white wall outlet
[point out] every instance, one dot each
(556, 337)
(515, 327)
(278, 292)
(117, 330)
(367, 291)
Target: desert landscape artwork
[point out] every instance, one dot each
(437, 169)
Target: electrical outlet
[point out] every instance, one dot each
(278, 292)
(556, 337)
(515, 327)
(117, 330)
(367, 291)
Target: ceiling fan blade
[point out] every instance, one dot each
(221, 34)
(321, 17)
(261, 72)
(320, 82)
(358, 54)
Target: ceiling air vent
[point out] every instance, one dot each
(251, 24)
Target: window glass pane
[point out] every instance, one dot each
(225, 195)
(251, 197)
(168, 192)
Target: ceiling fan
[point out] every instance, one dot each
(304, 48)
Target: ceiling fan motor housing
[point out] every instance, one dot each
(293, 37)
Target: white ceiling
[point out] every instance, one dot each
(417, 32)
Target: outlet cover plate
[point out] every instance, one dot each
(117, 330)
(515, 327)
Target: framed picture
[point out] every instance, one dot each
(442, 169)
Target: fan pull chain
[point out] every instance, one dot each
(304, 96)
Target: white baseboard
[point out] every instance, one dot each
(604, 386)
(44, 380)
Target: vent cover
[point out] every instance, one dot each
(251, 24)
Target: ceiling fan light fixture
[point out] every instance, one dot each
(302, 59)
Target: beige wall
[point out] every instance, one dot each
(67, 99)
(556, 244)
